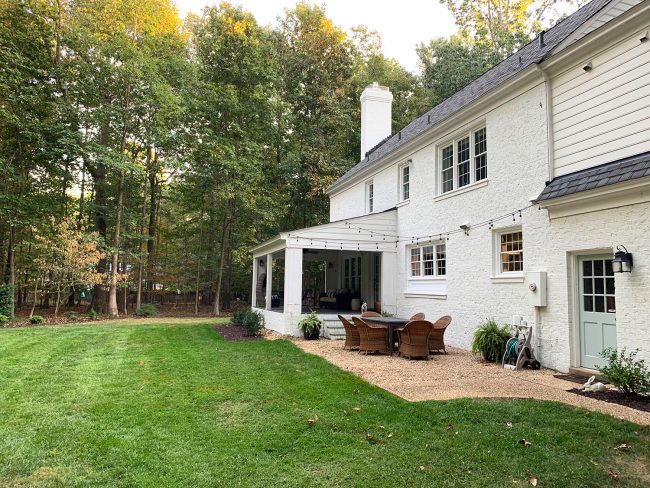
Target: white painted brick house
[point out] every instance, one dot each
(545, 163)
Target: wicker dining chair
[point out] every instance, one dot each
(371, 339)
(370, 314)
(437, 336)
(418, 316)
(414, 339)
(351, 334)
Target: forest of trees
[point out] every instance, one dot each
(144, 154)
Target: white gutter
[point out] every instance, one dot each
(550, 139)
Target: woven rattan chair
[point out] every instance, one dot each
(351, 334)
(437, 336)
(418, 316)
(414, 339)
(371, 314)
(371, 339)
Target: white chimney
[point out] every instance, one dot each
(376, 104)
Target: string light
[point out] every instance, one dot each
(396, 239)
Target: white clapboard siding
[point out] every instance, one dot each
(603, 114)
(614, 9)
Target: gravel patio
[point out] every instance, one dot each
(459, 374)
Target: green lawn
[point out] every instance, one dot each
(172, 404)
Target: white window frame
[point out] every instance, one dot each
(437, 245)
(498, 268)
(404, 185)
(370, 196)
(453, 142)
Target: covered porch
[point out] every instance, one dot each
(330, 269)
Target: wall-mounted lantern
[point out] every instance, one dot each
(622, 262)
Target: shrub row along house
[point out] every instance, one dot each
(507, 200)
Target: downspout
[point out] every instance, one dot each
(549, 122)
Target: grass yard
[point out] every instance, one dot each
(171, 404)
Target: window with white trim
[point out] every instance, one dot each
(510, 252)
(352, 273)
(428, 261)
(405, 181)
(370, 196)
(463, 161)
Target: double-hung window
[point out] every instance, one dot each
(405, 182)
(463, 161)
(370, 196)
(510, 252)
(428, 261)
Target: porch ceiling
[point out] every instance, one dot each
(373, 232)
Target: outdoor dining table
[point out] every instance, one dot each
(392, 323)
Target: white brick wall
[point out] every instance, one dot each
(517, 171)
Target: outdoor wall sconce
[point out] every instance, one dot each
(622, 262)
(261, 262)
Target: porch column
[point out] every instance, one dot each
(255, 274)
(269, 280)
(388, 274)
(293, 280)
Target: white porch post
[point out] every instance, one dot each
(388, 274)
(254, 291)
(293, 280)
(269, 280)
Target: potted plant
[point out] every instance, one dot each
(310, 327)
(490, 340)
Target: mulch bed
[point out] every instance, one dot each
(234, 332)
(641, 403)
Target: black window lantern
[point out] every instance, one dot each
(622, 262)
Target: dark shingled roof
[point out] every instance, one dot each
(532, 53)
(606, 174)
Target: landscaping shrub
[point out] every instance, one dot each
(147, 310)
(240, 314)
(36, 319)
(93, 315)
(6, 300)
(490, 340)
(625, 372)
(72, 316)
(4, 319)
(253, 322)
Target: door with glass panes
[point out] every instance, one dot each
(597, 309)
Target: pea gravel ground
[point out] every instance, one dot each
(459, 374)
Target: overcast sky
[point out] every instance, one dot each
(401, 24)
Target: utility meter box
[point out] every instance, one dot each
(536, 284)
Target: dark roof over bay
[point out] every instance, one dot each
(599, 176)
(532, 53)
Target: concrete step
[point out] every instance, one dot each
(333, 329)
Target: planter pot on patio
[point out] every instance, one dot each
(313, 335)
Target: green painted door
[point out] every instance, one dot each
(597, 309)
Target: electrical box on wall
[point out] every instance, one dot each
(536, 284)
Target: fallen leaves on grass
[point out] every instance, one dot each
(509, 425)
(622, 447)
(311, 422)
(525, 442)
(533, 480)
(357, 409)
(612, 474)
(141, 362)
(423, 468)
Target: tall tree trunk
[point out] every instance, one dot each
(112, 291)
(198, 265)
(143, 215)
(153, 207)
(11, 269)
(224, 245)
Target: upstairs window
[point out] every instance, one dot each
(370, 196)
(404, 181)
(463, 161)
